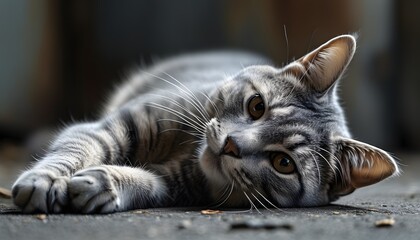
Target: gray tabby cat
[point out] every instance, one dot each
(201, 130)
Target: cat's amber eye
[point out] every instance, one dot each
(256, 107)
(283, 163)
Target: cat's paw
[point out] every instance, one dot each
(40, 191)
(92, 191)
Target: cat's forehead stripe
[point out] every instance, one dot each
(294, 142)
(274, 147)
(297, 128)
(282, 111)
(302, 150)
(294, 139)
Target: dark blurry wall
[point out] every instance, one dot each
(60, 59)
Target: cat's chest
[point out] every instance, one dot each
(177, 113)
(171, 143)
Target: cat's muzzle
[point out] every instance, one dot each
(231, 148)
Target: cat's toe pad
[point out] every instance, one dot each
(92, 191)
(40, 191)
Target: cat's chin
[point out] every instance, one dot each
(210, 164)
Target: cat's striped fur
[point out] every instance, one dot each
(203, 130)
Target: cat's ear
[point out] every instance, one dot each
(360, 165)
(322, 67)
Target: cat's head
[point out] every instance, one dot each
(280, 136)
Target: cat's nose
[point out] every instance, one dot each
(231, 148)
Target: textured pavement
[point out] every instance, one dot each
(388, 210)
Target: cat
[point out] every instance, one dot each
(219, 129)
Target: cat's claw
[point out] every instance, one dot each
(92, 191)
(40, 191)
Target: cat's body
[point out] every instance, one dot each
(202, 130)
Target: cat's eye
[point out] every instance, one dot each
(283, 163)
(256, 107)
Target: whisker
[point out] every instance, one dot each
(199, 130)
(190, 142)
(181, 130)
(258, 200)
(193, 101)
(333, 156)
(333, 168)
(252, 204)
(224, 193)
(192, 95)
(269, 202)
(339, 169)
(174, 112)
(216, 109)
(300, 80)
(310, 40)
(199, 141)
(287, 43)
(227, 197)
(317, 167)
(180, 105)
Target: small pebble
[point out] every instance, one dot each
(140, 212)
(387, 222)
(210, 212)
(42, 217)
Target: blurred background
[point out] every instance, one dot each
(60, 59)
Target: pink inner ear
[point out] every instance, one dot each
(365, 164)
(373, 169)
(323, 66)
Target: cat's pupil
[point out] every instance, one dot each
(259, 107)
(285, 162)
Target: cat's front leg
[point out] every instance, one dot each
(44, 187)
(109, 188)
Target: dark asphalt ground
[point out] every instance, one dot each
(353, 217)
